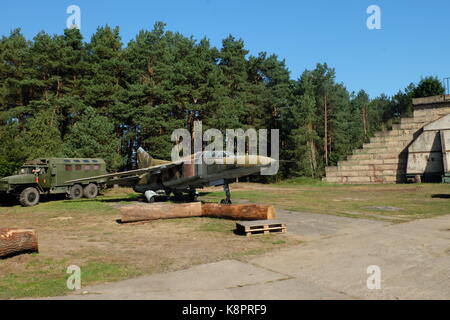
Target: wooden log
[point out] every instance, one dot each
(238, 211)
(15, 241)
(156, 211)
(135, 213)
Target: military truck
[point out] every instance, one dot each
(48, 176)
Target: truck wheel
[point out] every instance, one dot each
(29, 197)
(90, 191)
(76, 192)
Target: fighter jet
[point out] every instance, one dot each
(158, 179)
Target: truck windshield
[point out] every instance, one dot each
(26, 170)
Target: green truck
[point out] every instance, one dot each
(48, 176)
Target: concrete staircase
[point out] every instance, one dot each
(382, 160)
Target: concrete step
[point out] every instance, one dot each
(391, 156)
(385, 164)
(383, 169)
(356, 162)
(385, 179)
(419, 120)
(394, 143)
(406, 137)
(394, 133)
(412, 125)
(362, 180)
(383, 156)
(331, 169)
(399, 132)
(383, 150)
(369, 168)
(373, 174)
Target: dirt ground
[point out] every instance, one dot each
(86, 233)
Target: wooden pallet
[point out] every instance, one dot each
(260, 227)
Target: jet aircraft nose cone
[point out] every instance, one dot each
(264, 161)
(253, 161)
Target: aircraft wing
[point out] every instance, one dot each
(129, 176)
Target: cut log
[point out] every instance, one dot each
(15, 241)
(155, 211)
(238, 211)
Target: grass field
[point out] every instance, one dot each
(85, 232)
(400, 202)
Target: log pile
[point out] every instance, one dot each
(15, 241)
(135, 213)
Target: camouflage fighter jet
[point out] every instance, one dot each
(159, 178)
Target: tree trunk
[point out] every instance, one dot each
(309, 145)
(134, 213)
(157, 211)
(364, 119)
(312, 154)
(238, 211)
(325, 138)
(15, 241)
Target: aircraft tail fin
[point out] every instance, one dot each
(144, 160)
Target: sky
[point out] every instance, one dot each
(413, 41)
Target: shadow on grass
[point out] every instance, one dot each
(118, 200)
(17, 253)
(441, 196)
(10, 201)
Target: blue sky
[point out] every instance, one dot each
(413, 42)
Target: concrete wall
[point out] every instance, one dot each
(432, 107)
(445, 139)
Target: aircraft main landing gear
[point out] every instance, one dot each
(227, 200)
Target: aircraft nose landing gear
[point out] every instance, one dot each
(193, 196)
(227, 200)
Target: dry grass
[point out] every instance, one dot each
(401, 202)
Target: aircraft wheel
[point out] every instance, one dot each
(151, 199)
(29, 197)
(178, 196)
(225, 201)
(76, 192)
(90, 191)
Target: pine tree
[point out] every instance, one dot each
(92, 136)
(323, 81)
(428, 86)
(13, 151)
(42, 136)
